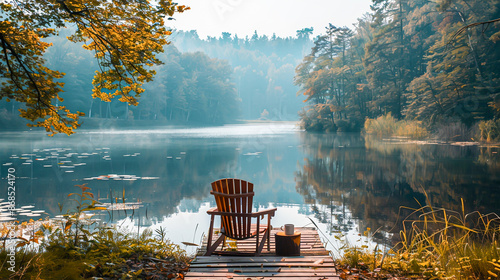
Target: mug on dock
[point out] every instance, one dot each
(288, 229)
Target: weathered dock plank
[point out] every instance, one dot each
(265, 278)
(310, 243)
(314, 262)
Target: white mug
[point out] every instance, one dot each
(289, 230)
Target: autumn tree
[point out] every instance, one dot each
(124, 36)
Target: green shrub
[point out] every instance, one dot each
(317, 118)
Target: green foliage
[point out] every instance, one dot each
(124, 37)
(191, 87)
(74, 247)
(263, 68)
(318, 118)
(329, 78)
(418, 60)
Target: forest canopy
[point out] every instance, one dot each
(263, 68)
(124, 36)
(433, 62)
(249, 78)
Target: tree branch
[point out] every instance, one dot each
(6, 46)
(461, 30)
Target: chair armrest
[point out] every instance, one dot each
(211, 211)
(214, 211)
(228, 214)
(269, 211)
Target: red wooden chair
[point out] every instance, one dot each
(234, 198)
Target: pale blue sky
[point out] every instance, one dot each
(283, 17)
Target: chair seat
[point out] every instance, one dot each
(242, 248)
(253, 231)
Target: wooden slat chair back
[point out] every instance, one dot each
(234, 200)
(235, 196)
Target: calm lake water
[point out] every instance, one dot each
(343, 182)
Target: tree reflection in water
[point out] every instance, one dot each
(368, 180)
(349, 180)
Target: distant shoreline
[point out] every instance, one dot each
(431, 141)
(103, 124)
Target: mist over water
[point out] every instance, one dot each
(344, 182)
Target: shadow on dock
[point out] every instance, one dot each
(314, 262)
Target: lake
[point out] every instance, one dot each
(345, 183)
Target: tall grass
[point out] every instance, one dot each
(75, 247)
(489, 130)
(387, 125)
(411, 129)
(452, 245)
(437, 243)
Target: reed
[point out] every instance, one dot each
(489, 130)
(387, 126)
(437, 243)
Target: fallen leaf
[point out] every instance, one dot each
(318, 262)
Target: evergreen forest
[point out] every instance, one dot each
(429, 63)
(433, 62)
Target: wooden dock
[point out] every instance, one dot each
(314, 262)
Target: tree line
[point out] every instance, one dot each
(263, 68)
(432, 62)
(211, 81)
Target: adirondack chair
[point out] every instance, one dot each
(234, 198)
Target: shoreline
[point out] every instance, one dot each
(408, 140)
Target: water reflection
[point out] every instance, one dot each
(373, 178)
(344, 182)
(158, 169)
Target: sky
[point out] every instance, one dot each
(282, 17)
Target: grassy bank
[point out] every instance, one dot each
(435, 244)
(76, 247)
(387, 126)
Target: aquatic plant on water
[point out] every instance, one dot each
(75, 246)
